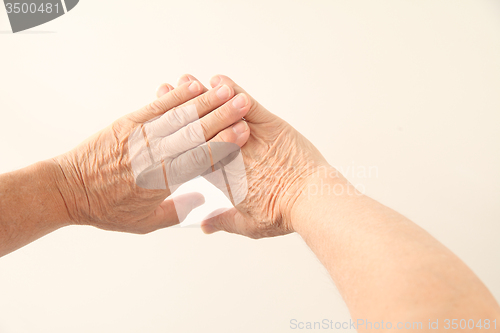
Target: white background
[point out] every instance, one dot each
(410, 87)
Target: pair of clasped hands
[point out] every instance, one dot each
(100, 188)
(385, 266)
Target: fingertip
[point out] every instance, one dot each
(198, 199)
(215, 80)
(185, 203)
(240, 101)
(242, 131)
(163, 89)
(195, 87)
(208, 228)
(184, 78)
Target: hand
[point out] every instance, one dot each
(96, 180)
(279, 162)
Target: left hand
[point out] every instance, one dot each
(96, 181)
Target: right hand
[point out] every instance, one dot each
(280, 163)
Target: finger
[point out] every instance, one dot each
(211, 99)
(229, 176)
(163, 89)
(184, 78)
(185, 203)
(171, 212)
(215, 80)
(238, 134)
(173, 98)
(189, 112)
(225, 143)
(257, 113)
(182, 152)
(185, 139)
(188, 77)
(229, 173)
(229, 220)
(196, 161)
(225, 116)
(179, 138)
(171, 122)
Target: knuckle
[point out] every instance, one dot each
(222, 224)
(176, 95)
(221, 114)
(226, 136)
(177, 116)
(200, 156)
(156, 107)
(205, 129)
(194, 134)
(204, 102)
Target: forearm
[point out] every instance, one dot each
(384, 265)
(30, 205)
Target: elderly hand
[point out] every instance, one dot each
(279, 164)
(97, 181)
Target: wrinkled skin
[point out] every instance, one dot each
(100, 188)
(278, 161)
(96, 181)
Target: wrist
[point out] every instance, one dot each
(31, 205)
(322, 190)
(71, 186)
(49, 178)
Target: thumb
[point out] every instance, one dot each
(229, 220)
(185, 203)
(173, 211)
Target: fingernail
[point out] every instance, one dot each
(163, 87)
(194, 87)
(208, 228)
(223, 92)
(240, 127)
(215, 81)
(240, 101)
(183, 79)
